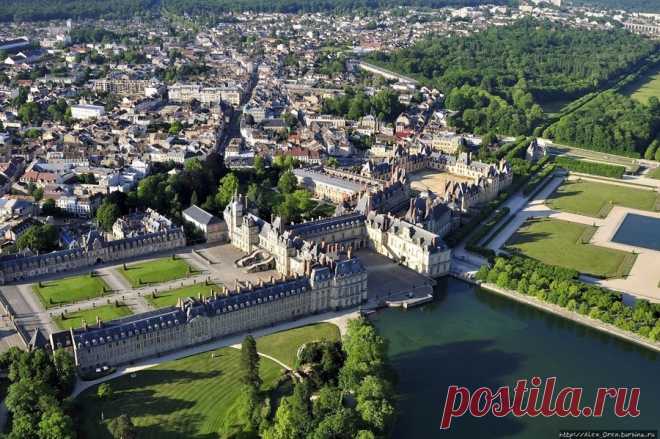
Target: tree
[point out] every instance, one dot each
(39, 238)
(122, 427)
(66, 369)
(48, 208)
(250, 363)
(29, 112)
(107, 215)
(175, 128)
(228, 187)
(287, 183)
(104, 391)
(54, 424)
(373, 403)
(292, 418)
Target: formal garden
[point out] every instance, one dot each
(597, 199)
(70, 289)
(566, 244)
(156, 271)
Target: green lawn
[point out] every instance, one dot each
(69, 289)
(654, 174)
(284, 345)
(645, 87)
(194, 397)
(154, 272)
(169, 298)
(597, 199)
(557, 242)
(105, 312)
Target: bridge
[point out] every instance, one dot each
(387, 74)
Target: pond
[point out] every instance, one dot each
(639, 231)
(473, 338)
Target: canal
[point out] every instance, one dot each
(474, 338)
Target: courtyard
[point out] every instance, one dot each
(434, 180)
(70, 289)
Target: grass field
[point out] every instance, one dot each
(284, 345)
(654, 174)
(597, 199)
(105, 312)
(69, 289)
(154, 272)
(194, 397)
(645, 87)
(169, 298)
(557, 242)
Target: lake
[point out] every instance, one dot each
(473, 338)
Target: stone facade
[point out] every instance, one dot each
(336, 285)
(92, 250)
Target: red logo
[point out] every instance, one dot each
(539, 401)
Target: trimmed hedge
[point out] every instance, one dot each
(602, 169)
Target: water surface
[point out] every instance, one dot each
(639, 231)
(475, 338)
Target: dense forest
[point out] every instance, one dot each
(612, 123)
(34, 10)
(556, 61)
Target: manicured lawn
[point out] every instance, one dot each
(154, 272)
(169, 298)
(596, 199)
(647, 86)
(560, 243)
(194, 397)
(69, 289)
(105, 312)
(654, 174)
(284, 345)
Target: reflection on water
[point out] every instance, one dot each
(474, 338)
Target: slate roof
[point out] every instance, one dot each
(200, 215)
(167, 317)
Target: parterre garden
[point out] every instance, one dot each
(597, 199)
(157, 271)
(565, 244)
(70, 289)
(105, 313)
(163, 299)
